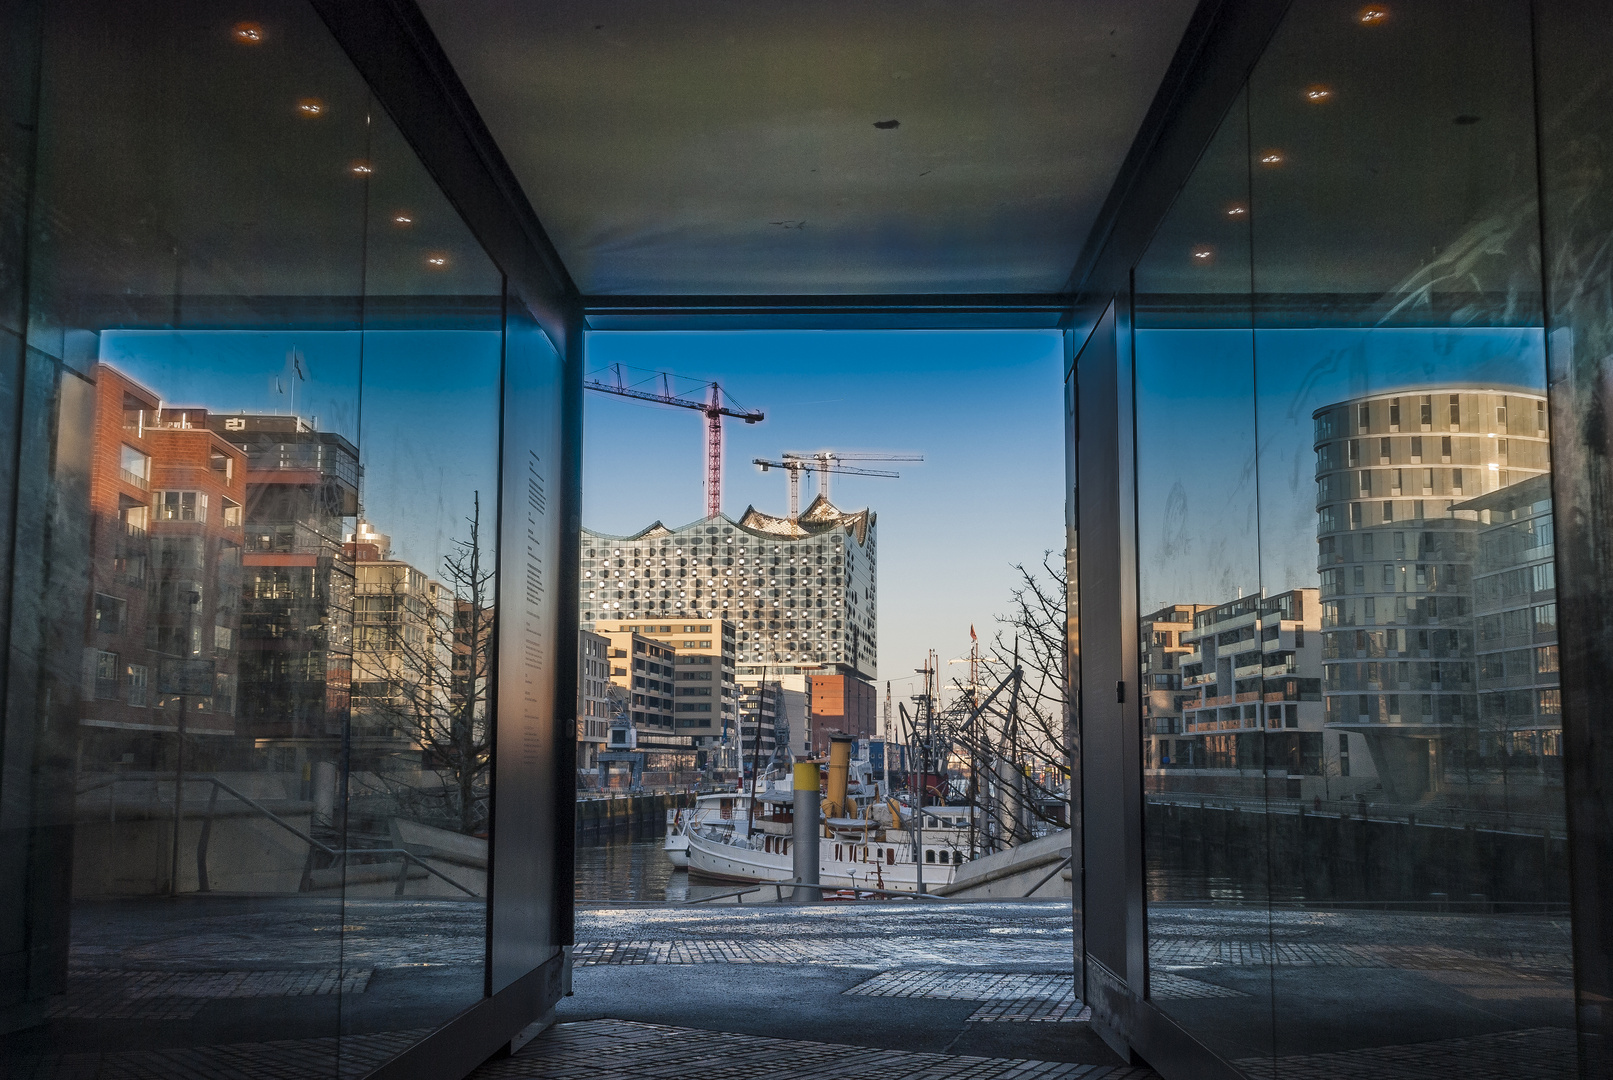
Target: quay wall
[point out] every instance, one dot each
(613, 816)
(1395, 860)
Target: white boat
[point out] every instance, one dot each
(870, 852)
(716, 809)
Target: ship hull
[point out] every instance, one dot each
(718, 861)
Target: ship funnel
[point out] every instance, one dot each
(839, 773)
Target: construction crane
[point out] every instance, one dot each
(795, 467)
(712, 407)
(826, 461)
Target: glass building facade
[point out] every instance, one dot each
(256, 365)
(290, 414)
(1325, 418)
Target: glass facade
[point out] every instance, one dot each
(255, 369)
(1349, 647)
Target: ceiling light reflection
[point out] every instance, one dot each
(310, 106)
(361, 168)
(402, 219)
(247, 33)
(1237, 210)
(437, 261)
(1318, 93)
(1203, 253)
(1272, 158)
(1372, 14)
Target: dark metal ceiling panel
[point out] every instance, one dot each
(731, 147)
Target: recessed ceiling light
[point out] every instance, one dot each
(361, 168)
(437, 260)
(1318, 93)
(1203, 253)
(402, 219)
(1272, 158)
(1237, 210)
(310, 106)
(1372, 14)
(247, 33)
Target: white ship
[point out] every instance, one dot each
(871, 844)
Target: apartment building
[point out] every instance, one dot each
(165, 502)
(1396, 554)
(593, 697)
(297, 603)
(703, 688)
(1160, 651)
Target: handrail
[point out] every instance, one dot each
(339, 854)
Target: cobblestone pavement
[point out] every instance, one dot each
(610, 1049)
(170, 995)
(1005, 996)
(288, 1059)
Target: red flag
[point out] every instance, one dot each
(972, 632)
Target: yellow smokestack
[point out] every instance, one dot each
(839, 774)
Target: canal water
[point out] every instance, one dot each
(628, 869)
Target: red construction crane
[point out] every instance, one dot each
(714, 410)
(796, 466)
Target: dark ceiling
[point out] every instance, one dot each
(820, 148)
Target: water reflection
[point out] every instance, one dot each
(636, 871)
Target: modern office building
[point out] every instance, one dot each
(390, 233)
(759, 708)
(800, 593)
(594, 712)
(645, 671)
(403, 653)
(703, 706)
(1516, 742)
(296, 650)
(1396, 555)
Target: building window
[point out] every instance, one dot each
(180, 505)
(111, 614)
(134, 467)
(135, 686)
(106, 675)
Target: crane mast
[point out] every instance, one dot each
(714, 411)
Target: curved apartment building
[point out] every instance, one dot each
(1397, 548)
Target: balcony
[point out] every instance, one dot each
(134, 478)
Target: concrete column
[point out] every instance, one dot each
(804, 852)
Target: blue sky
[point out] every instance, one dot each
(985, 409)
(1202, 532)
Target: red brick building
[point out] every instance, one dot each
(166, 498)
(841, 705)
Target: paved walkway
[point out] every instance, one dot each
(606, 1049)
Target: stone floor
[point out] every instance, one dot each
(188, 989)
(606, 1049)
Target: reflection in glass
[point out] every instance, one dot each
(241, 375)
(1362, 736)
(1208, 636)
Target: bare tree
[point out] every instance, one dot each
(425, 659)
(1036, 626)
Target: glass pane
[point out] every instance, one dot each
(1204, 639)
(422, 554)
(195, 231)
(1417, 848)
